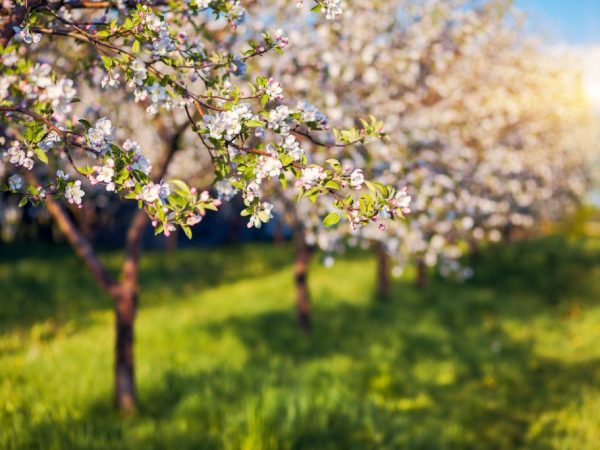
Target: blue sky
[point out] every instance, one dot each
(575, 22)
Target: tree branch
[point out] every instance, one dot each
(14, 19)
(80, 244)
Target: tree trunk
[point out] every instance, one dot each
(172, 241)
(383, 273)
(278, 238)
(475, 250)
(421, 274)
(125, 392)
(303, 256)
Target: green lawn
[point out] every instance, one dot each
(510, 359)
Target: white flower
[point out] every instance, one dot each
(138, 67)
(252, 191)
(164, 191)
(150, 193)
(60, 94)
(331, 8)
(236, 13)
(142, 164)
(10, 59)
(159, 98)
(6, 81)
(62, 175)
(402, 200)
(261, 215)
(163, 43)
(74, 193)
(153, 22)
(292, 147)
(268, 166)
(200, 4)
(96, 138)
(228, 124)
(15, 182)
(27, 36)
(139, 161)
(130, 144)
(357, 179)
(40, 75)
(193, 220)
(48, 142)
(19, 156)
(101, 134)
(281, 38)
(105, 174)
(111, 79)
(310, 113)
(310, 177)
(225, 190)
(273, 90)
(278, 119)
(105, 126)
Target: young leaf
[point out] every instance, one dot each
(331, 219)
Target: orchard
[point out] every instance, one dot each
(312, 224)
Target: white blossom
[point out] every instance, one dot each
(267, 166)
(357, 179)
(225, 190)
(74, 193)
(15, 182)
(292, 147)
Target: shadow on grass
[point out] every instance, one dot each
(70, 293)
(434, 369)
(386, 376)
(550, 267)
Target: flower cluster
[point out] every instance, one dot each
(157, 56)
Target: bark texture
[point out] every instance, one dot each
(421, 274)
(383, 273)
(304, 254)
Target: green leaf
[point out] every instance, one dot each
(23, 202)
(283, 180)
(331, 219)
(85, 123)
(255, 123)
(187, 231)
(41, 154)
(108, 62)
(181, 187)
(135, 48)
(85, 170)
(332, 185)
(264, 99)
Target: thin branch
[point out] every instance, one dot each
(80, 244)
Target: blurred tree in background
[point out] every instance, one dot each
(115, 115)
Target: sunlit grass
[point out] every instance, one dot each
(509, 360)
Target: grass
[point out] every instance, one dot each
(508, 360)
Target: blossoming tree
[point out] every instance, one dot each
(482, 150)
(163, 55)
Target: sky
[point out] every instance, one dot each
(571, 22)
(574, 24)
